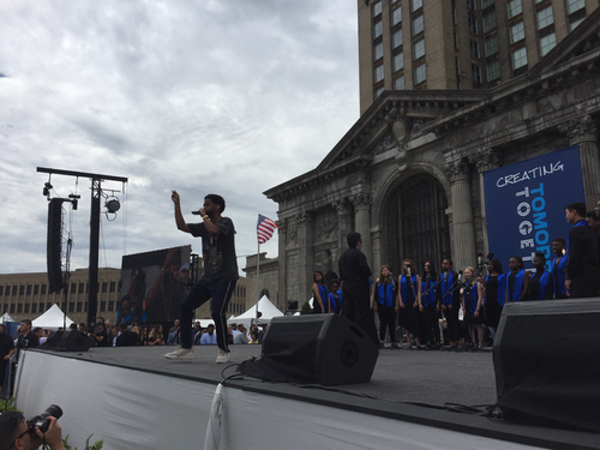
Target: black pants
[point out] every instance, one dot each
(585, 285)
(387, 318)
(355, 296)
(430, 328)
(451, 315)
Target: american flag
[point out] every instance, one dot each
(265, 229)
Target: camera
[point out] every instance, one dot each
(42, 421)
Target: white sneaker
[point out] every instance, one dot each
(223, 357)
(181, 353)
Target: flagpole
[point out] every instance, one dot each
(257, 281)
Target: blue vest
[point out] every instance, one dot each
(515, 295)
(428, 299)
(324, 296)
(446, 283)
(336, 305)
(501, 289)
(470, 297)
(385, 294)
(559, 275)
(404, 288)
(544, 280)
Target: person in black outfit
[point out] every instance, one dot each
(594, 221)
(450, 301)
(495, 295)
(541, 284)
(384, 300)
(429, 308)
(127, 338)
(7, 348)
(558, 267)
(354, 273)
(583, 266)
(27, 339)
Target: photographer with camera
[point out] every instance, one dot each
(18, 434)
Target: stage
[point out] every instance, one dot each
(135, 398)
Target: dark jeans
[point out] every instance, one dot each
(219, 294)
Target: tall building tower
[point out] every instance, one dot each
(457, 44)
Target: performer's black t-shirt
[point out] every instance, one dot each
(220, 262)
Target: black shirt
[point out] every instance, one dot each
(583, 253)
(127, 339)
(353, 266)
(6, 345)
(30, 340)
(220, 262)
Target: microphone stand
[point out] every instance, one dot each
(412, 286)
(431, 287)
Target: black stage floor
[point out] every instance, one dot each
(401, 375)
(401, 379)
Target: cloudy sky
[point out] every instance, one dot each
(229, 96)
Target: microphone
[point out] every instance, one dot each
(489, 257)
(196, 213)
(479, 258)
(460, 278)
(408, 271)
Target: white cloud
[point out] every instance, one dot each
(213, 96)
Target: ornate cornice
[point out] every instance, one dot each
(486, 159)
(361, 200)
(580, 130)
(342, 206)
(460, 168)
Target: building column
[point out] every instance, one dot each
(485, 160)
(583, 132)
(306, 253)
(463, 235)
(344, 212)
(362, 217)
(282, 297)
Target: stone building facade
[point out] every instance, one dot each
(408, 175)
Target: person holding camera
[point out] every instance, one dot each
(18, 434)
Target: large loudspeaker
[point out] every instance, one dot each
(54, 245)
(53, 339)
(547, 363)
(324, 349)
(74, 341)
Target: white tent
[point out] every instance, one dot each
(52, 319)
(6, 318)
(267, 309)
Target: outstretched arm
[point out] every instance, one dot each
(179, 220)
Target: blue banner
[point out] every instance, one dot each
(525, 204)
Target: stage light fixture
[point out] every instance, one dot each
(113, 205)
(47, 187)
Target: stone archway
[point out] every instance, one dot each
(416, 224)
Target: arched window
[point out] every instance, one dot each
(417, 225)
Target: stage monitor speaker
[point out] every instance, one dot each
(324, 349)
(54, 245)
(74, 341)
(547, 363)
(53, 339)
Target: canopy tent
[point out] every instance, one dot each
(6, 318)
(52, 319)
(267, 309)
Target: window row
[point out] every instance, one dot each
(37, 289)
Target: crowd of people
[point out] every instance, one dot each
(461, 309)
